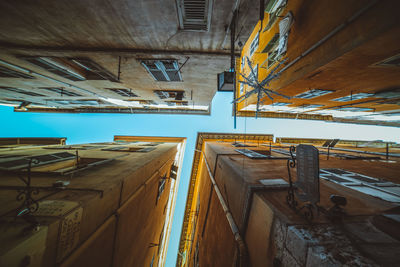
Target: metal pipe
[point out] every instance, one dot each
(44, 76)
(329, 35)
(234, 8)
(235, 230)
(113, 51)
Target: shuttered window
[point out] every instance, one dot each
(9, 73)
(163, 70)
(74, 69)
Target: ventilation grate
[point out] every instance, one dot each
(194, 15)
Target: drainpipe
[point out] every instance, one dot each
(243, 254)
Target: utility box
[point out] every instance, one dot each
(225, 81)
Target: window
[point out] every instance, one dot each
(239, 144)
(365, 184)
(354, 109)
(147, 102)
(177, 103)
(129, 149)
(161, 186)
(163, 70)
(243, 63)
(272, 58)
(9, 73)
(174, 172)
(77, 102)
(19, 91)
(74, 69)
(281, 104)
(250, 153)
(241, 88)
(254, 44)
(274, 8)
(164, 94)
(353, 97)
(309, 106)
(313, 93)
(271, 44)
(13, 163)
(123, 92)
(93, 70)
(60, 91)
(255, 71)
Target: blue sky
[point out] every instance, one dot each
(87, 128)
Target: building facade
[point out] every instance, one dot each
(339, 61)
(117, 57)
(247, 206)
(98, 204)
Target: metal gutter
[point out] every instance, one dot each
(243, 253)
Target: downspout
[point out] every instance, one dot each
(243, 254)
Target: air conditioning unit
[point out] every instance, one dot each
(225, 81)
